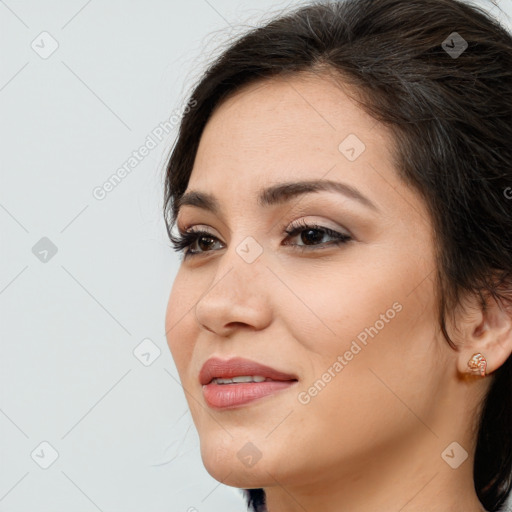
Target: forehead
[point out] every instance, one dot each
(295, 128)
(284, 124)
(288, 109)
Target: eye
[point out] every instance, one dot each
(185, 242)
(195, 242)
(312, 234)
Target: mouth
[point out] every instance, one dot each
(239, 370)
(235, 382)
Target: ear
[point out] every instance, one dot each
(486, 328)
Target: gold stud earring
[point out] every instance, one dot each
(479, 363)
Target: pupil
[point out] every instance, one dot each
(313, 238)
(207, 245)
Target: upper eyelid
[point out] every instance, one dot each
(294, 225)
(303, 223)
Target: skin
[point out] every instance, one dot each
(371, 440)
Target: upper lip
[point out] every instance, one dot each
(215, 368)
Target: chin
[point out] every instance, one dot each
(238, 463)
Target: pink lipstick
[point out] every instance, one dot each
(237, 381)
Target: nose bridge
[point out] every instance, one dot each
(242, 268)
(237, 290)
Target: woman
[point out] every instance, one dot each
(341, 320)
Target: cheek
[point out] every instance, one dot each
(364, 400)
(364, 323)
(179, 322)
(332, 307)
(377, 290)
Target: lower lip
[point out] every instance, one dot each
(226, 396)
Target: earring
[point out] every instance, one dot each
(479, 363)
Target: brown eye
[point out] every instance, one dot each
(186, 241)
(204, 242)
(312, 235)
(192, 243)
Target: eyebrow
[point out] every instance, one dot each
(277, 194)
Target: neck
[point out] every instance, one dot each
(413, 478)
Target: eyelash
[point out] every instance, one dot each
(183, 241)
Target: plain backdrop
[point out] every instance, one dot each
(92, 416)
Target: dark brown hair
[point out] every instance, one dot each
(450, 110)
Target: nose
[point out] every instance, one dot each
(237, 297)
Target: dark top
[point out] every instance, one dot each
(255, 500)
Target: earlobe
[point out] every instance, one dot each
(478, 363)
(488, 342)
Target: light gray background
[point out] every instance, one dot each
(70, 321)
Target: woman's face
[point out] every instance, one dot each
(355, 322)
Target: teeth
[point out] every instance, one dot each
(242, 378)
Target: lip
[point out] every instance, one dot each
(229, 396)
(216, 368)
